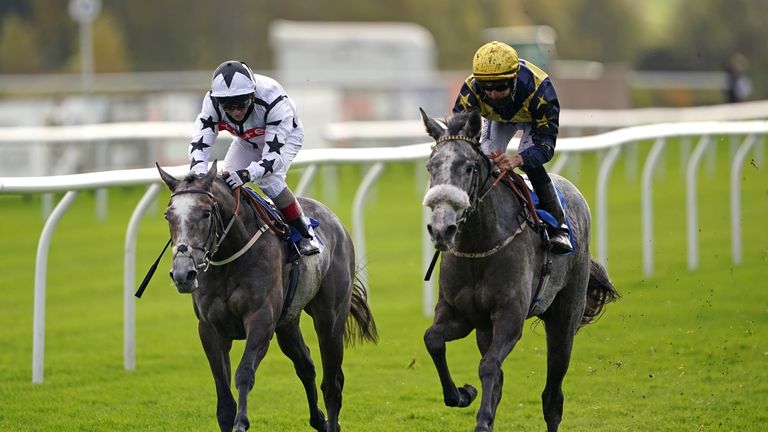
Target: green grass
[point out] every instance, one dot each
(682, 351)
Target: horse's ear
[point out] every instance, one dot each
(433, 127)
(208, 179)
(167, 178)
(472, 127)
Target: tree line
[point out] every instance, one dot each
(38, 36)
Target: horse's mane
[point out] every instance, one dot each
(219, 180)
(219, 187)
(465, 123)
(190, 177)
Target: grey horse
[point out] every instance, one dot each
(235, 268)
(494, 273)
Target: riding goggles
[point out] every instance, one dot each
(496, 85)
(235, 102)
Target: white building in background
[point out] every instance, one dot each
(351, 52)
(339, 71)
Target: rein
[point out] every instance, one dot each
(210, 248)
(476, 198)
(209, 252)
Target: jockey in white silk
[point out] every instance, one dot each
(266, 137)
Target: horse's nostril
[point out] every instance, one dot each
(429, 229)
(191, 275)
(450, 231)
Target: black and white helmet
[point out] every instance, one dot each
(232, 78)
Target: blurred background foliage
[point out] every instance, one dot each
(39, 36)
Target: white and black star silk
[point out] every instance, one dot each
(231, 78)
(271, 129)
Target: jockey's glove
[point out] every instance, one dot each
(237, 178)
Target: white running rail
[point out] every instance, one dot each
(613, 142)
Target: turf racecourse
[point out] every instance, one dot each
(682, 351)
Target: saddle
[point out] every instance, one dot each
(523, 189)
(274, 219)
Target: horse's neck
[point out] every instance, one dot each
(244, 224)
(494, 219)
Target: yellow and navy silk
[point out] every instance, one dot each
(534, 102)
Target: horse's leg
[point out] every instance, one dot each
(329, 326)
(484, 338)
(507, 329)
(292, 344)
(259, 331)
(217, 350)
(561, 321)
(448, 326)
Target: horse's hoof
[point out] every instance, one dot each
(329, 428)
(242, 426)
(318, 424)
(468, 394)
(464, 397)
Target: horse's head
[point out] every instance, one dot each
(454, 168)
(192, 212)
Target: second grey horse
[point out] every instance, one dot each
(493, 273)
(225, 255)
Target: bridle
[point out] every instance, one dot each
(475, 195)
(213, 239)
(478, 190)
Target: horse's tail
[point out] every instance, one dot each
(600, 291)
(361, 327)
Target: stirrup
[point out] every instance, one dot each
(561, 245)
(309, 246)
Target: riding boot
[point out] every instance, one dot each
(308, 245)
(558, 236)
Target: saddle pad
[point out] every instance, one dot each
(545, 215)
(267, 205)
(294, 236)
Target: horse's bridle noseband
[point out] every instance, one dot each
(211, 245)
(476, 194)
(475, 197)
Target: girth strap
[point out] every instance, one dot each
(293, 282)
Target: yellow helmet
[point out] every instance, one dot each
(495, 61)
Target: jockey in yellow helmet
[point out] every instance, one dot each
(513, 94)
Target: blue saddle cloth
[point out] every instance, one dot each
(546, 216)
(294, 236)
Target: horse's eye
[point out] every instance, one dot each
(165, 215)
(469, 169)
(206, 214)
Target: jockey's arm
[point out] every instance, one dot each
(280, 124)
(545, 120)
(206, 130)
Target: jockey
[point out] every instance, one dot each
(512, 94)
(266, 136)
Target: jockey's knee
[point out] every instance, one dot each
(284, 198)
